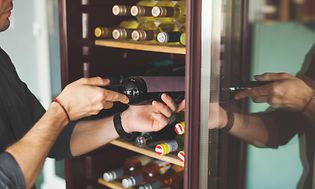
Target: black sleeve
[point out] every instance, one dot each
(282, 126)
(61, 148)
(11, 175)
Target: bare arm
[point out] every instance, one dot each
(143, 118)
(80, 98)
(253, 128)
(31, 151)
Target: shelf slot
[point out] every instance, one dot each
(147, 151)
(112, 184)
(174, 49)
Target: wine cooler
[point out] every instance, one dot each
(186, 48)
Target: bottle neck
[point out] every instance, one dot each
(121, 33)
(164, 11)
(113, 175)
(103, 32)
(143, 35)
(166, 37)
(141, 11)
(121, 10)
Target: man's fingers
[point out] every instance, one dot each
(161, 121)
(113, 96)
(94, 81)
(272, 76)
(169, 102)
(108, 105)
(255, 92)
(166, 111)
(181, 106)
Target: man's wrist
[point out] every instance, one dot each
(120, 129)
(58, 112)
(229, 122)
(308, 102)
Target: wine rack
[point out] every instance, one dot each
(147, 151)
(83, 55)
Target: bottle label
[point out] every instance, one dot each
(167, 147)
(181, 156)
(164, 166)
(180, 128)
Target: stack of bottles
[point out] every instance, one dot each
(156, 21)
(174, 145)
(143, 172)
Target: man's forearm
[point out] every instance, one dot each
(251, 128)
(31, 151)
(89, 135)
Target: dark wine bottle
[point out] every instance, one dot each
(144, 88)
(148, 174)
(171, 179)
(140, 89)
(227, 93)
(133, 165)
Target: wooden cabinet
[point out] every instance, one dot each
(84, 56)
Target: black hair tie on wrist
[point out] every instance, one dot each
(229, 124)
(120, 130)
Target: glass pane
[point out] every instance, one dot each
(281, 34)
(270, 112)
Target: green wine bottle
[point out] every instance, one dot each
(103, 32)
(143, 10)
(125, 29)
(147, 31)
(169, 11)
(121, 10)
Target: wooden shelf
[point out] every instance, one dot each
(112, 184)
(175, 49)
(147, 151)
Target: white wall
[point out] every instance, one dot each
(26, 42)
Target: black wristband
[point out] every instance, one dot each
(229, 123)
(120, 130)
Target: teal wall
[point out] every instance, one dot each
(276, 47)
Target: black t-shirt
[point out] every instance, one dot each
(20, 110)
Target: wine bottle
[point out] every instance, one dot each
(182, 39)
(170, 146)
(149, 173)
(145, 88)
(125, 29)
(169, 11)
(103, 32)
(168, 37)
(121, 10)
(171, 179)
(143, 10)
(180, 128)
(231, 90)
(132, 166)
(147, 31)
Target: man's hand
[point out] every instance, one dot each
(85, 97)
(146, 118)
(286, 92)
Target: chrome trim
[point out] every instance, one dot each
(211, 26)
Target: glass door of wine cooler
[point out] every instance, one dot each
(213, 30)
(217, 65)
